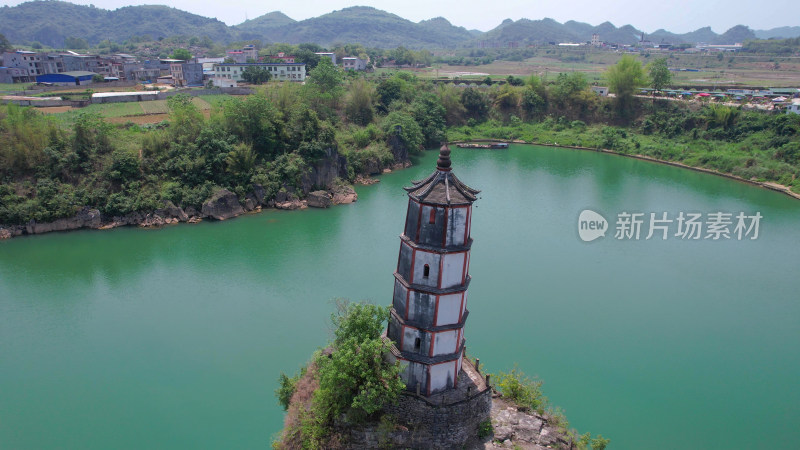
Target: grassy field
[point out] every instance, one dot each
(13, 87)
(124, 110)
(725, 69)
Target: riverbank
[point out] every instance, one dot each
(222, 205)
(170, 214)
(758, 149)
(764, 184)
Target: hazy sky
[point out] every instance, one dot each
(678, 16)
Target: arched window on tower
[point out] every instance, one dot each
(426, 271)
(417, 344)
(433, 216)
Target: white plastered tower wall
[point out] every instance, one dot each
(429, 304)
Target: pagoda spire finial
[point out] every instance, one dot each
(443, 163)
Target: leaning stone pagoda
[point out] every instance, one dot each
(429, 307)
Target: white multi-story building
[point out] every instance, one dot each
(230, 74)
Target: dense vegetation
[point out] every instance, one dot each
(50, 169)
(52, 22)
(347, 383)
(773, 46)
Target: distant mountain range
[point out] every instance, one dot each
(51, 22)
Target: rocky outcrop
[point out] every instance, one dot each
(171, 213)
(343, 195)
(223, 204)
(515, 428)
(372, 166)
(399, 149)
(86, 218)
(288, 200)
(319, 199)
(366, 181)
(324, 171)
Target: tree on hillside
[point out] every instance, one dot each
(307, 57)
(429, 113)
(660, 76)
(623, 79)
(182, 54)
(567, 86)
(325, 83)
(476, 104)
(75, 43)
(359, 104)
(256, 75)
(5, 45)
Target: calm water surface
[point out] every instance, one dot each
(174, 338)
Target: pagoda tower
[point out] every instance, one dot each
(429, 306)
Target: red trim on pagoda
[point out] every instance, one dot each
(408, 296)
(413, 260)
(461, 308)
(441, 269)
(419, 223)
(436, 313)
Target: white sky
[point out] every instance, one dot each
(678, 16)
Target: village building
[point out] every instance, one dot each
(243, 55)
(186, 73)
(73, 78)
(229, 75)
(330, 55)
(23, 59)
(14, 75)
(282, 57)
(138, 72)
(429, 305)
(354, 63)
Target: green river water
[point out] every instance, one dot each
(174, 338)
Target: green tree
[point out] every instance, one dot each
(307, 57)
(393, 89)
(410, 132)
(567, 87)
(600, 443)
(358, 104)
(75, 43)
(355, 379)
(184, 118)
(429, 113)
(5, 45)
(523, 391)
(327, 78)
(256, 75)
(256, 121)
(241, 162)
(97, 78)
(325, 87)
(476, 104)
(450, 98)
(182, 54)
(624, 78)
(660, 76)
(532, 103)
